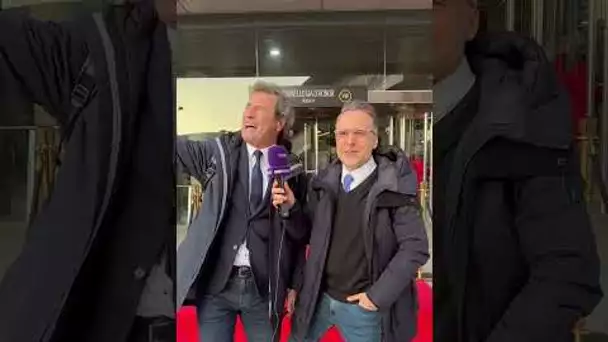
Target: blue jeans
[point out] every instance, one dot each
(217, 314)
(354, 322)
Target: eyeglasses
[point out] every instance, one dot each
(357, 133)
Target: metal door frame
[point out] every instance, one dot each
(400, 96)
(598, 14)
(415, 97)
(32, 136)
(412, 97)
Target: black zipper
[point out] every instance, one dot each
(370, 234)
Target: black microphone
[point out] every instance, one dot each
(280, 169)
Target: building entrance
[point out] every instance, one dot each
(404, 120)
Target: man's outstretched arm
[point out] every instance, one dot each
(44, 58)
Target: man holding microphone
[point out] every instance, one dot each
(238, 257)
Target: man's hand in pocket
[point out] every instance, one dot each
(291, 302)
(363, 300)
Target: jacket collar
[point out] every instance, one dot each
(520, 96)
(394, 174)
(520, 99)
(450, 91)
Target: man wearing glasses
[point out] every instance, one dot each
(367, 239)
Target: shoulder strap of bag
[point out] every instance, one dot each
(80, 97)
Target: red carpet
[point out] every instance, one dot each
(187, 330)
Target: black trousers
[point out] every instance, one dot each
(157, 329)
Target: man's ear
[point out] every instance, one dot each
(280, 125)
(473, 24)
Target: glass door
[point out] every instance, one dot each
(593, 137)
(411, 129)
(313, 137)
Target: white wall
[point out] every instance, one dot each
(215, 104)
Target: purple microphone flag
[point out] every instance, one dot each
(278, 160)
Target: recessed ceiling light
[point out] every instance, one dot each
(275, 52)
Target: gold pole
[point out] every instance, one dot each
(578, 330)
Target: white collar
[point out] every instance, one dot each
(448, 92)
(251, 150)
(360, 174)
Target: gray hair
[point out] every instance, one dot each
(362, 106)
(283, 109)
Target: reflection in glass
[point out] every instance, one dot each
(413, 132)
(384, 126)
(15, 156)
(370, 49)
(184, 206)
(328, 52)
(215, 52)
(409, 54)
(303, 143)
(326, 152)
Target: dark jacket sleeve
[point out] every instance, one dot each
(412, 253)
(299, 232)
(194, 158)
(298, 229)
(297, 276)
(298, 226)
(558, 244)
(44, 57)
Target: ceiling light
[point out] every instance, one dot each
(275, 52)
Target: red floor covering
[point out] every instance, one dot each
(187, 327)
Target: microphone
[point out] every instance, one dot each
(280, 169)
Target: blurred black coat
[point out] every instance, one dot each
(87, 255)
(514, 254)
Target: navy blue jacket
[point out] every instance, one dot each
(395, 241)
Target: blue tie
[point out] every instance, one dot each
(257, 183)
(347, 182)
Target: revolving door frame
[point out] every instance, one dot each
(413, 97)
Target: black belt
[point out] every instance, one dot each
(241, 272)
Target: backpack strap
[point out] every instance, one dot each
(84, 89)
